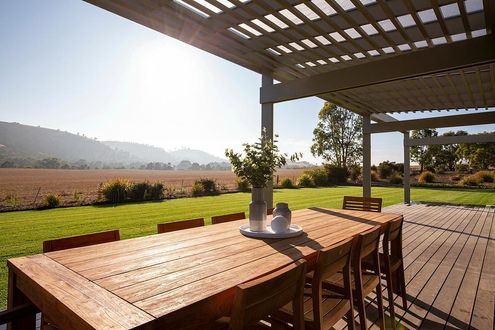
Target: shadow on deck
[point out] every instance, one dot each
(449, 256)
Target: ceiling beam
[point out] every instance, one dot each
(412, 64)
(486, 117)
(382, 118)
(475, 138)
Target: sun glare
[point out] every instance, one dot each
(164, 73)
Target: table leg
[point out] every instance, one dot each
(17, 298)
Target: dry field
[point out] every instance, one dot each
(19, 187)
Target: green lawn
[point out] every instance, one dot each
(22, 232)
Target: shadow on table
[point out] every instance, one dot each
(346, 216)
(291, 247)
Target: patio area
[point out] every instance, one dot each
(449, 276)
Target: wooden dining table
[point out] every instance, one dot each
(174, 280)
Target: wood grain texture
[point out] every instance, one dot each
(174, 278)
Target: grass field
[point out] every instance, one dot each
(22, 232)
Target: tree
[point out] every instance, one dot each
(424, 155)
(478, 155)
(337, 137)
(447, 158)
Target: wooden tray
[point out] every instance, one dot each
(294, 230)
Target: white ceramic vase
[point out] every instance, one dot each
(283, 210)
(257, 210)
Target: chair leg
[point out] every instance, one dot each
(390, 292)
(402, 283)
(362, 310)
(379, 299)
(350, 319)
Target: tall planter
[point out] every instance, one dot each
(257, 210)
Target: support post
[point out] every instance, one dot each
(366, 157)
(267, 124)
(407, 169)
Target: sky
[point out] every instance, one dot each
(69, 65)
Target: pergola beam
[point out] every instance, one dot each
(476, 138)
(453, 56)
(487, 117)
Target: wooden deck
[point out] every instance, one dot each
(449, 256)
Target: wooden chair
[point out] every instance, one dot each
(227, 217)
(80, 241)
(258, 299)
(392, 264)
(364, 279)
(324, 308)
(362, 204)
(179, 225)
(16, 313)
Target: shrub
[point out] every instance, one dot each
(386, 169)
(155, 191)
(319, 176)
(137, 191)
(396, 179)
(354, 172)
(374, 176)
(426, 177)
(456, 178)
(170, 191)
(242, 184)
(337, 174)
(52, 200)
(486, 176)
(204, 187)
(462, 168)
(470, 180)
(305, 181)
(12, 200)
(115, 190)
(287, 183)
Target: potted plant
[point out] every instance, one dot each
(257, 166)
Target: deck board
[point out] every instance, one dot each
(449, 256)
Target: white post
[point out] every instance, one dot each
(407, 169)
(366, 157)
(267, 124)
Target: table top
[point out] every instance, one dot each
(173, 278)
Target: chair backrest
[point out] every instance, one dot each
(330, 261)
(366, 246)
(393, 237)
(259, 298)
(80, 241)
(228, 217)
(362, 204)
(179, 225)
(269, 211)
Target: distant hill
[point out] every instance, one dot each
(23, 141)
(195, 156)
(144, 152)
(150, 153)
(19, 141)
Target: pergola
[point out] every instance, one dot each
(373, 57)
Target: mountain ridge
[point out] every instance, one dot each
(19, 141)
